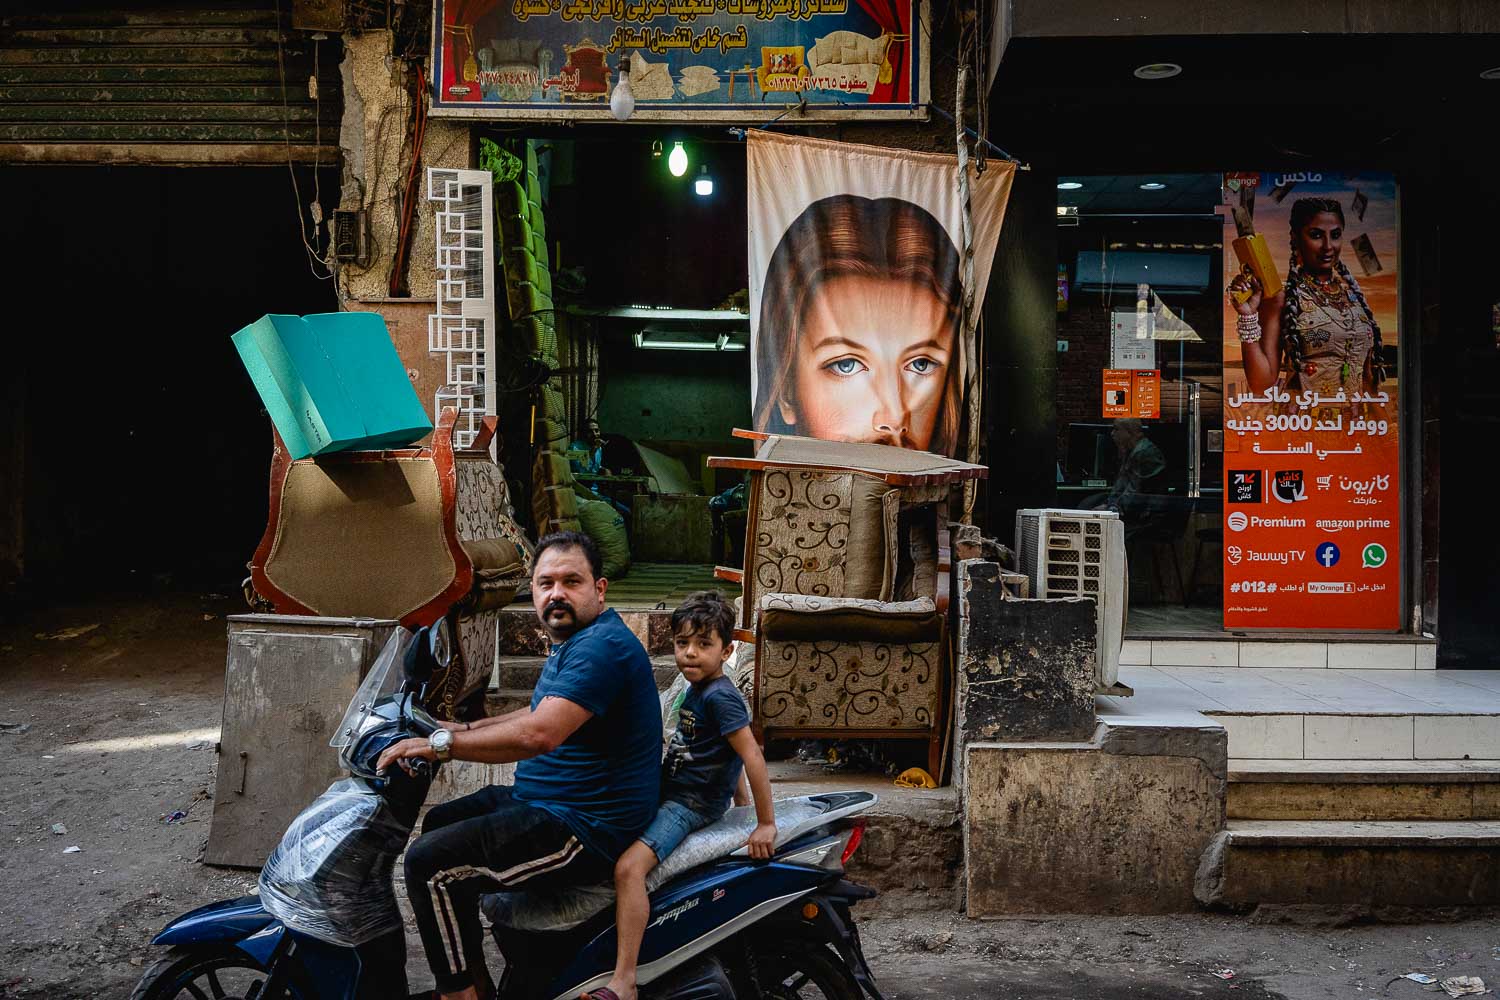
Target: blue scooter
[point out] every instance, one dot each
(326, 926)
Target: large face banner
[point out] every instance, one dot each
(855, 289)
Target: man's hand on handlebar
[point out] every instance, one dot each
(401, 753)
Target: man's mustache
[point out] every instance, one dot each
(559, 605)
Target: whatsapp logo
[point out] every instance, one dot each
(1374, 556)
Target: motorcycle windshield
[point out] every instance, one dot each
(384, 677)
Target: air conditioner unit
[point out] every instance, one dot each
(1080, 553)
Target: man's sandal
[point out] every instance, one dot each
(602, 993)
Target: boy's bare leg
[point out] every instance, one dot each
(632, 910)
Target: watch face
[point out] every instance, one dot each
(441, 740)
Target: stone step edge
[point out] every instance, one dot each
(1252, 833)
(1294, 771)
(1215, 713)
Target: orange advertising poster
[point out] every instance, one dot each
(1312, 457)
(1117, 395)
(1145, 394)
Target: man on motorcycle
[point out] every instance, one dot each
(589, 753)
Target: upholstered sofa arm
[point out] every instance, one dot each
(499, 571)
(801, 618)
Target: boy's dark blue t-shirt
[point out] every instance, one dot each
(603, 781)
(701, 769)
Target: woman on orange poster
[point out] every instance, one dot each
(859, 327)
(1318, 329)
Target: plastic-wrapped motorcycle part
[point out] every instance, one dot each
(330, 877)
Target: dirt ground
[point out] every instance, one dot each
(116, 692)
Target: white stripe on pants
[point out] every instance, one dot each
(442, 905)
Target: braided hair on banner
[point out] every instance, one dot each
(1303, 209)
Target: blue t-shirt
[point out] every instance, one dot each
(701, 768)
(603, 781)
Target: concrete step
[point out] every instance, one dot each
(1384, 863)
(522, 672)
(1280, 735)
(1363, 790)
(500, 701)
(912, 850)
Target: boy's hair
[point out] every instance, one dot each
(573, 540)
(705, 613)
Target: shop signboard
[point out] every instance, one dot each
(734, 60)
(1312, 522)
(856, 290)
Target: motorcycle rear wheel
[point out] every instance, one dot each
(217, 971)
(806, 973)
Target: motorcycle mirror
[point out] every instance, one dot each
(431, 651)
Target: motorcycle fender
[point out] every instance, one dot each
(835, 925)
(227, 920)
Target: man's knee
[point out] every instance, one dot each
(443, 815)
(421, 861)
(635, 864)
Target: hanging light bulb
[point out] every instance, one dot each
(677, 160)
(656, 150)
(622, 98)
(703, 186)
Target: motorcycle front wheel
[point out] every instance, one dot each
(217, 971)
(807, 973)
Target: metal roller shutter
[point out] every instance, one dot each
(166, 87)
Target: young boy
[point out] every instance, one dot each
(702, 771)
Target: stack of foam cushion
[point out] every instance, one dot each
(528, 293)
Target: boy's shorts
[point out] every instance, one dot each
(673, 822)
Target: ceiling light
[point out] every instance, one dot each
(1153, 186)
(657, 339)
(1493, 73)
(622, 98)
(1069, 185)
(1157, 71)
(704, 185)
(677, 160)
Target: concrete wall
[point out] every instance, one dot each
(1117, 824)
(377, 115)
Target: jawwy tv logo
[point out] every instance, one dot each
(1290, 486)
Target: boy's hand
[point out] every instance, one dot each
(762, 841)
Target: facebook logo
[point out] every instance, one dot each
(1328, 555)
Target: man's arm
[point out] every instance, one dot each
(518, 736)
(763, 840)
(488, 720)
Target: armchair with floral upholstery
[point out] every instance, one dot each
(841, 590)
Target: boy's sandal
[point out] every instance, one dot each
(602, 993)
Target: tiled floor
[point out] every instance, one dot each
(1395, 653)
(1297, 713)
(1294, 690)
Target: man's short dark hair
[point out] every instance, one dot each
(573, 540)
(705, 613)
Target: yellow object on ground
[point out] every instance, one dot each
(915, 777)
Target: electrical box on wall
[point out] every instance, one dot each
(351, 238)
(318, 15)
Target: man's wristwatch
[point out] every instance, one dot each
(441, 742)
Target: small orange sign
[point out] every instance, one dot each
(1132, 393)
(1117, 392)
(1145, 393)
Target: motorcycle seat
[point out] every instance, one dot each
(567, 908)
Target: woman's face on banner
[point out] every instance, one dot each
(872, 363)
(1319, 242)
